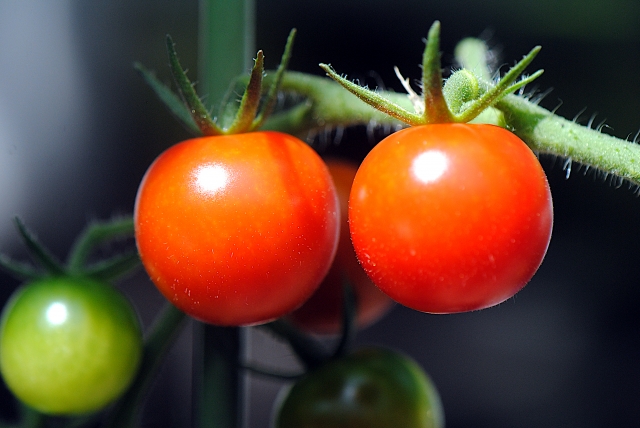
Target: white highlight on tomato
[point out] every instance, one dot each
(430, 165)
(211, 178)
(57, 313)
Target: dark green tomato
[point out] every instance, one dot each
(371, 388)
(69, 345)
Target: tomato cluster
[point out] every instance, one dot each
(240, 230)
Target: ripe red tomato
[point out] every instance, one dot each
(371, 388)
(237, 230)
(450, 217)
(69, 345)
(322, 313)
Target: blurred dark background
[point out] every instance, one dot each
(78, 128)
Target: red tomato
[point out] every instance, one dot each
(237, 230)
(450, 217)
(322, 313)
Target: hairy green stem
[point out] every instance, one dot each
(327, 105)
(548, 133)
(545, 132)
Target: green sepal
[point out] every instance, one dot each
(198, 111)
(19, 270)
(374, 99)
(38, 251)
(93, 235)
(272, 95)
(169, 98)
(435, 109)
(250, 99)
(114, 267)
(504, 87)
(247, 117)
(434, 105)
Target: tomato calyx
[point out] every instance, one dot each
(463, 97)
(191, 111)
(46, 264)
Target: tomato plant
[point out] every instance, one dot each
(369, 388)
(237, 230)
(322, 313)
(69, 345)
(450, 217)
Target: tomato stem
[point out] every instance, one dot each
(309, 351)
(326, 106)
(546, 132)
(226, 44)
(349, 316)
(114, 267)
(218, 381)
(93, 235)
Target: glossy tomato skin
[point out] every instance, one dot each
(371, 388)
(237, 230)
(323, 312)
(451, 217)
(69, 345)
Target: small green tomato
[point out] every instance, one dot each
(371, 388)
(69, 345)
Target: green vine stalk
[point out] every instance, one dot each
(327, 105)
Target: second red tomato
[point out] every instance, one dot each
(237, 230)
(323, 312)
(450, 217)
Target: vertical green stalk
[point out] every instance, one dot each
(226, 45)
(219, 395)
(225, 50)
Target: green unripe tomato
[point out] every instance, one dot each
(371, 388)
(69, 345)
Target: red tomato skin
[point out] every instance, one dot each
(451, 217)
(323, 312)
(237, 230)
